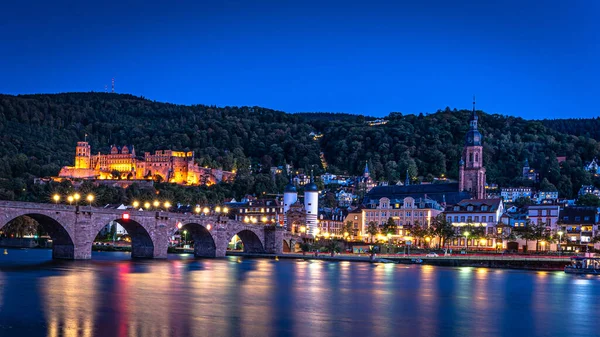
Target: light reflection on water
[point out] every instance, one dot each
(110, 296)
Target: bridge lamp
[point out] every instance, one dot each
(90, 199)
(56, 198)
(264, 219)
(208, 227)
(77, 197)
(156, 203)
(147, 205)
(225, 210)
(246, 219)
(70, 199)
(179, 225)
(205, 210)
(197, 210)
(218, 209)
(125, 216)
(136, 204)
(167, 205)
(254, 220)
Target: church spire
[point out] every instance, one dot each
(473, 122)
(366, 171)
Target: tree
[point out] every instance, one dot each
(526, 233)
(390, 227)
(372, 229)
(348, 227)
(522, 202)
(539, 232)
(547, 186)
(443, 229)
(114, 174)
(305, 247)
(588, 200)
(419, 232)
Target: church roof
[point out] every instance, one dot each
(447, 193)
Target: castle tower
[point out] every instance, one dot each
(83, 155)
(311, 205)
(471, 171)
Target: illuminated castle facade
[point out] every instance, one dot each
(122, 163)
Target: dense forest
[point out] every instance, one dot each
(39, 133)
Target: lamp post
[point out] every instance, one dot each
(466, 234)
(205, 210)
(70, 199)
(197, 210)
(76, 196)
(560, 234)
(167, 205)
(136, 204)
(156, 204)
(147, 205)
(56, 198)
(389, 237)
(184, 238)
(90, 199)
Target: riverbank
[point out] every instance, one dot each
(504, 262)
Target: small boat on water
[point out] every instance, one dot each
(417, 260)
(583, 266)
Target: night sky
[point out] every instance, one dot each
(535, 59)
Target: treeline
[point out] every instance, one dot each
(39, 133)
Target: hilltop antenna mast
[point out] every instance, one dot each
(105, 88)
(113, 86)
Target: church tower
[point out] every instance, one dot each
(471, 171)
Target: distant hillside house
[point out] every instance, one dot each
(592, 167)
(122, 163)
(530, 173)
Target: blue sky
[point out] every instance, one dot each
(535, 59)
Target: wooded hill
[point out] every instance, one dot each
(39, 133)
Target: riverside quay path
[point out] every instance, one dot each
(74, 228)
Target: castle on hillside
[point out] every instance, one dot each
(122, 163)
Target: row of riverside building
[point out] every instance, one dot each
(463, 204)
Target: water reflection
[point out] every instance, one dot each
(246, 297)
(70, 303)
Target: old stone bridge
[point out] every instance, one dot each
(74, 228)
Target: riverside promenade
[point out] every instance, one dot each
(526, 262)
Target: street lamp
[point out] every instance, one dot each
(560, 234)
(167, 205)
(466, 234)
(302, 229)
(225, 210)
(76, 196)
(218, 209)
(389, 236)
(205, 210)
(184, 237)
(90, 199)
(56, 198)
(70, 199)
(156, 204)
(136, 204)
(197, 209)
(147, 205)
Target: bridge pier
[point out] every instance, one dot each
(274, 239)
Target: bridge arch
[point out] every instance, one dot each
(62, 240)
(204, 242)
(142, 245)
(252, 241)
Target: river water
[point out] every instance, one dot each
(112, 295)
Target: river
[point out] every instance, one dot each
(112, 295)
